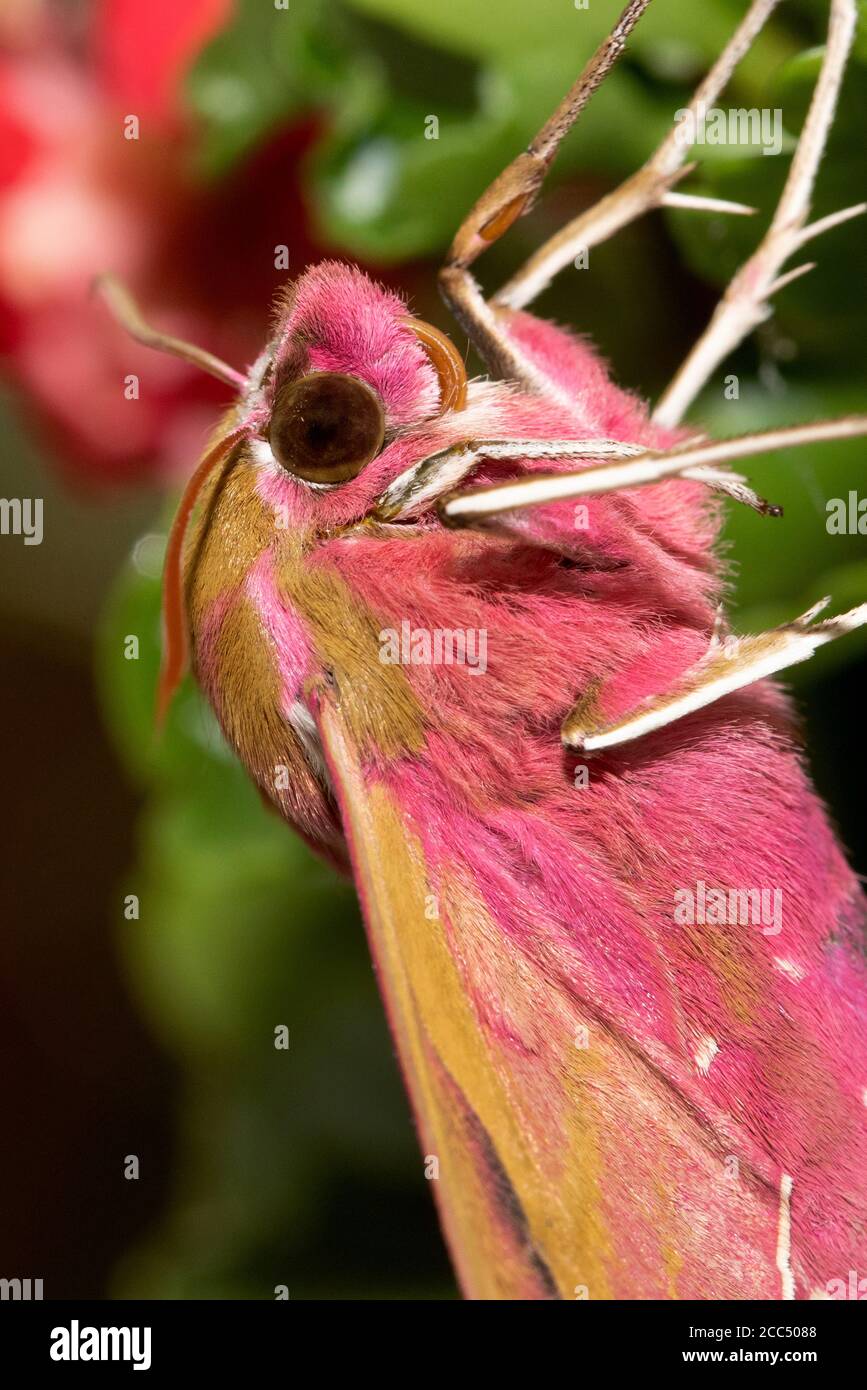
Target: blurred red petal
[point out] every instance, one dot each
(79, 199)
(17, 145)
(76, 364)
(144, 49)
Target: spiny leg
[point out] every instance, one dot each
(729, 664)
(701, 462)
(745, 303)
(510, 196)
(649, 187)
(436, 475)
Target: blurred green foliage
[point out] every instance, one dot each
(244, 929)
(378, 68)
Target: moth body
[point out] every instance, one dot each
(467, 638)
(734, 1040)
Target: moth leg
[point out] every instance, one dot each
(436, 475)
(745, 303)
(700, 462)
(729, 664)
(649, 187)
(511, 195)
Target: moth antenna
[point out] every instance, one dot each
(174, 661)
(126, 312)
(446, 362)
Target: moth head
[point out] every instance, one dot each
(348, 371)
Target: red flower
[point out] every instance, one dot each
(143, 50)
(77, 198)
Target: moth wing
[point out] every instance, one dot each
(564, 1160)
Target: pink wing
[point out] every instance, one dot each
(592, 1136)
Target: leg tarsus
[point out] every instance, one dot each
(514, 191)
(649, 187)
(730, 664)
(511, 195)
(745, 303)
(701, 461)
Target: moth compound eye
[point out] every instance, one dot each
(325, 427)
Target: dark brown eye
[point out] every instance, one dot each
(325, 427)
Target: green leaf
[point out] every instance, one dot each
(242, 930)
(386, 185)
(396, 178)
(784, 565)
(265, 67)
(476, 29)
